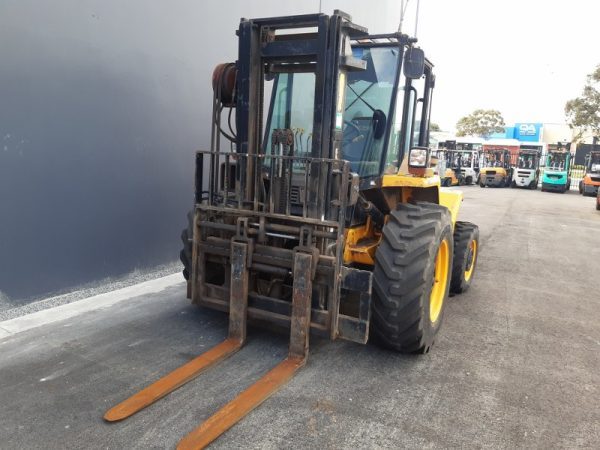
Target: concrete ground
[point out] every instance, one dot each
(516, 365)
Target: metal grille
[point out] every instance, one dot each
(305, 189)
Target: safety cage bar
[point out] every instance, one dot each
(277, 186)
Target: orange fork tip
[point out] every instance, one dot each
(239, 407)
(173, 380)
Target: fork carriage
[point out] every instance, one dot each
(276, 214)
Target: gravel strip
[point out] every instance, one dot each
(11, 308)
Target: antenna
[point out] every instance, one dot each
(417, 17)
(403, 5)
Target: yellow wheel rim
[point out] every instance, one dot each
(440, 281)
(471, 257)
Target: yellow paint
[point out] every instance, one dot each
(452, 175)
(361, 241)
(452, 201)
(361, 244)
(398, 180)
(470, 267)
(500, 171)
(440, 281)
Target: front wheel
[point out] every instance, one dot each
(466, 251)
(411, 277)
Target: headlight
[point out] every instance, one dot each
(418, 157)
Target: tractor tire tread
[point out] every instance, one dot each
(464, 232)
(403, 270)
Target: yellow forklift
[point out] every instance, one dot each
(496, 168)
(328, 220)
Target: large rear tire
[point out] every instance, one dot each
(466, 252)
(411, 277)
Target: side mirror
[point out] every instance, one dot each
(414, 63)
(379, 122)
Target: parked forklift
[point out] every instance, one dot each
(462, 158)
(450, 170)
(588, 186)
(496, 168)
(347, 234)
(557, 173)
(527, 173)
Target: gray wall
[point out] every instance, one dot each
(102, 104)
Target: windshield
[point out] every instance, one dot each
(493, 158)
(454, 159)
(594, 162)
(527, 161)
(468, 158)
(368, 102)
(557, 161)
(293, 106)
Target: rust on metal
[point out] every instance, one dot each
(256, 394)
(302, 294)
(238, 294)
(239, 407)
(172, 381)
(190, 370)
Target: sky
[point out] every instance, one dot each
(524, 58)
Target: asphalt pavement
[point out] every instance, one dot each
(516, 364)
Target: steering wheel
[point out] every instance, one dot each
(355, 132)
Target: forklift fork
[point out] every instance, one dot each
(257, 393)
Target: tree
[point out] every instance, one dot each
(434, 127)
(583, 113)
(481, 122)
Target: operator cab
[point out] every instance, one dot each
(384, 113)
(496, 158)
(529, 157)
(557, 161)
(593, 162)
